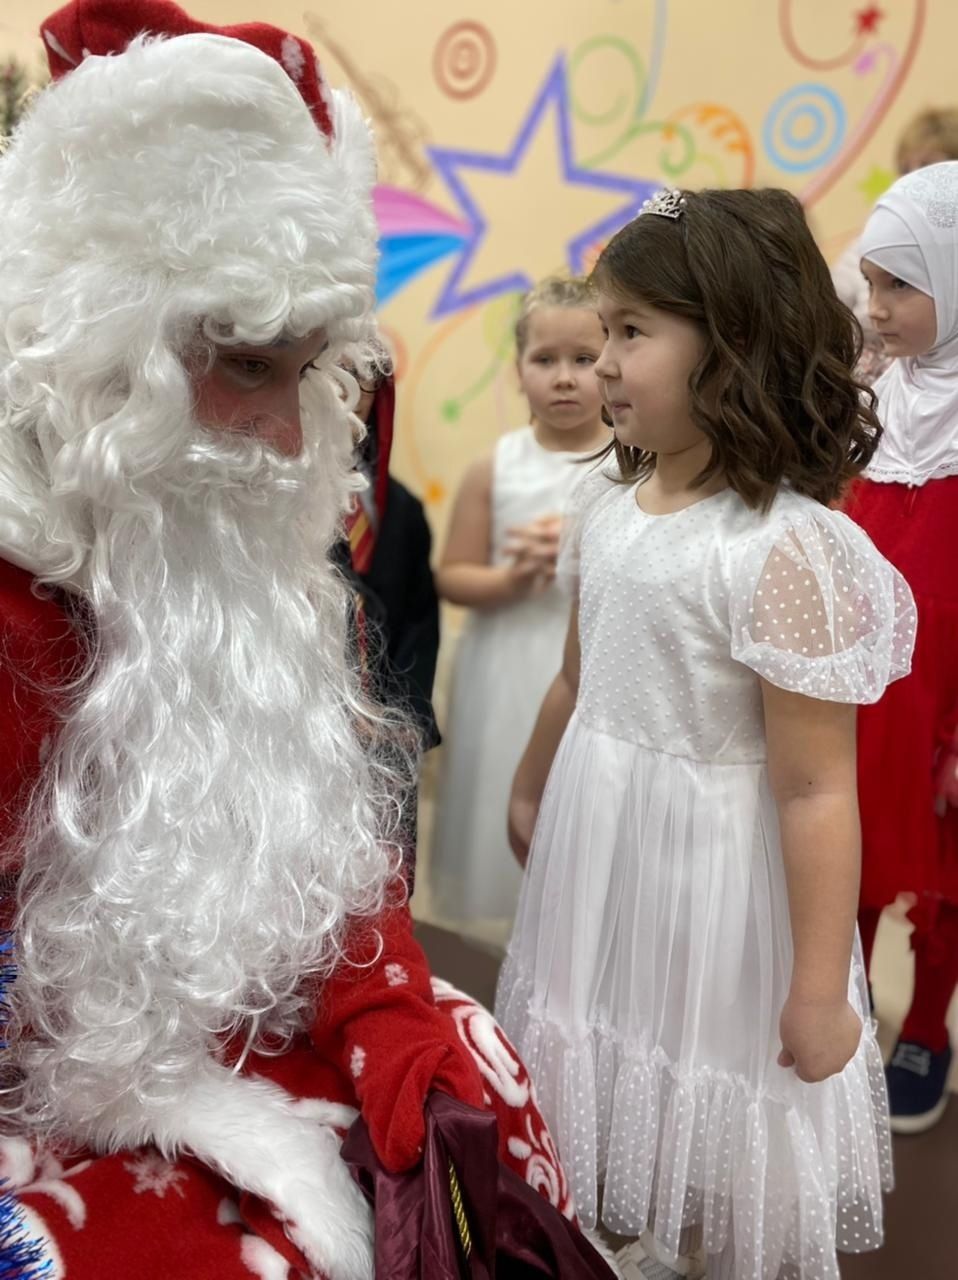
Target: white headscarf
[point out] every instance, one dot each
(913, 234)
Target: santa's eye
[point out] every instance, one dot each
(249, 366)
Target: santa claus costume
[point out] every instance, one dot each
(215, 968)
(907, 502)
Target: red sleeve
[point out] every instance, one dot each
(378, 1017)
(39, 648)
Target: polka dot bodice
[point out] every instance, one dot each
(679, 613)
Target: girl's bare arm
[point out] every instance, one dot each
(812, 773)
(530, 780)
(465, 576)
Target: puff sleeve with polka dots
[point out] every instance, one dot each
(815, 609)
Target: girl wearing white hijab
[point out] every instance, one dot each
(908, 503)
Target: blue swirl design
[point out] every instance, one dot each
(804, 128)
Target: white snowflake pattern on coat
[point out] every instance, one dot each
(152, 1173)
(41, 1173)
(357, 1060)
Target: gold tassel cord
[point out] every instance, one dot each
(459, 1212)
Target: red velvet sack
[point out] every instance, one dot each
(461, 1214)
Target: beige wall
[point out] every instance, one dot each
(678, 92)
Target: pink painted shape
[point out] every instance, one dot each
(397, 210)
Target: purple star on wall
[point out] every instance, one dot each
(554, 94)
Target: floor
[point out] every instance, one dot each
(921, 1236)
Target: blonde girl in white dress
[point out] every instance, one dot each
(684, 979)
(499, 561)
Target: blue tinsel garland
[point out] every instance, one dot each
(21, 1256)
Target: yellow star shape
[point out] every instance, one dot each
(876, 182)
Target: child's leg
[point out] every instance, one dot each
(936, 976)
(918, 1073)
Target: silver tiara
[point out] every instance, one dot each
(667, 203)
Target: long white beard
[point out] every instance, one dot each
(213, 816)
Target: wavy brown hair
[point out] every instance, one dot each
(775, 391)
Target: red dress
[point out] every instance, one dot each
(906, 847)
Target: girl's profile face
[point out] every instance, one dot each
(904, 317)
(557, 367)
(254, 390)
(644, 371)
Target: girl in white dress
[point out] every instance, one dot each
(684, 979)
(499, 561)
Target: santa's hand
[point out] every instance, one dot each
(422, 1053)
(378, 1015)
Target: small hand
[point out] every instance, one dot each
(536, 544)
(527, 572)
(819, 1038)
(522, 823)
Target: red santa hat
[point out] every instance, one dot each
(85, 27)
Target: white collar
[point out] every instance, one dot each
(918, 408)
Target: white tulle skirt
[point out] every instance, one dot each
(646, 975)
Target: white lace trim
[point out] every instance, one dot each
(908, 475)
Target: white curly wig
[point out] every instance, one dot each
(181, 182)
(221, 799)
